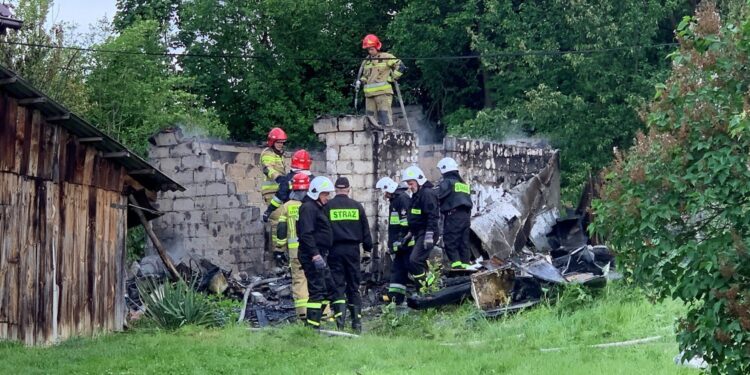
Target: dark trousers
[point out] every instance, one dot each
(456, 235)
(320, 285)
(419, 255)
(399, 275)
(345, 269)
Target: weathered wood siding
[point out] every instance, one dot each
(62, 232)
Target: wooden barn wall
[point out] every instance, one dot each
(62, 232)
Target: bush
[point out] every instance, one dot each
(675, 206)
(173, 305)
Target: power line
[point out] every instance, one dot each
(349, 58)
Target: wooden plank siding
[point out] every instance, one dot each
(62, 232)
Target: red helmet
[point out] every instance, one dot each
(300, 181)
(276, 134)
(371, 40)
(301, 160)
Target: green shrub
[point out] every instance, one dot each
(676, 205)
(173, 305)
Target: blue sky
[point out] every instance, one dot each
(82, 12)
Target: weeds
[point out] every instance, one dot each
(174, 305)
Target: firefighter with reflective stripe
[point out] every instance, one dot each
(272, 163)
(423, 216)
(350, 230)
(301, 162)
(454, 196)
(398, 227)
(379, 70)
(315, 241)
(287, 241)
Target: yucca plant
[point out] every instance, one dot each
(173, 305)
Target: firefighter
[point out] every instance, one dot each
(350, 230)
(272, 162)
(454, 196)
(398, 227)
(423, 216)
(379, 70)
(287, 241)
(301, 162)
(315, 241)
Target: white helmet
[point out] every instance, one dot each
(414, 173)
(447, 165)
(319, 185)
(387, 185)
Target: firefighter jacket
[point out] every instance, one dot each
(453, 193)
(423, 214)
(285, 188)
(286, 231)
(398, 225)
(273, 167)
(313, 229)
(378, 73)
(348, 221)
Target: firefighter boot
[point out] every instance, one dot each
(356, 312)
(339, 309)
(313, 317)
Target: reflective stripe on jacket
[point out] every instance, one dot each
(378, 73)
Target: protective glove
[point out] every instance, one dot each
(357, 85)
(280, 258)
(266, 215)
(396, 247)
(319, 262)
(429, 241)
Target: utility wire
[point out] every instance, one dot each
(344, 58)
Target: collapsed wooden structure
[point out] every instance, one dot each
(64, 203)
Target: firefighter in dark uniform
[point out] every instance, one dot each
(454, 196)
(398, 228)
(423, 216)
(350, 230)
(315, 241)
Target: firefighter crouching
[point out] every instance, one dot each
(454, 196)
(315, 241)
(287, 241)
(423, 217)
(398, 228)
(350, 230)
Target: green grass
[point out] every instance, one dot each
(453, 341)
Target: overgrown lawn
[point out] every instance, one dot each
(452, 341)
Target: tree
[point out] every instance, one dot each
(134, 95)
(584, 103)
(286, 61)
(57, 72)
(675, 206)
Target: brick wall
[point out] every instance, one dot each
(218, 216)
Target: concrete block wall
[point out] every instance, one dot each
(218, 216)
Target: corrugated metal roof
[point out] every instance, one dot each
(137, 167)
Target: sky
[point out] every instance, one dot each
(82, 12)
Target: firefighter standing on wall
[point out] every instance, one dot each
(272, 162)
(378, 71)
(315, 241)
(287, 241)
(398, 227)
(423, 216)
(350, 230)
(454, 196)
